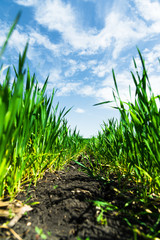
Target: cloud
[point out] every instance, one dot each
(47, 50)
(149, 9)
(60, 16)
(3, 33)
(55, 15)
(151, 59)
(80, 110)
(104, 94)
(66, 88)
(103, 68)
(41, 39)
(150, 56)
(92, 62)
(26, 3)
(55, 75)
(155, 84)
(87, 90)
(21, 36)
(120, 29)
(74, 67)
(152, 65)
(124, 30)
(18, 38)
(105, 91)
(78, 88)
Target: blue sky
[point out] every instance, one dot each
(77, 43)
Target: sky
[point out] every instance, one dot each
(78, 43)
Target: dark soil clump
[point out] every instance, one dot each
(66, 210)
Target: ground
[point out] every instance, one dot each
(66, 209)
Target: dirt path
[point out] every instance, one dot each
(66, 210)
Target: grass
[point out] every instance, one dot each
(128, 152)
(40, 233)
(34, 136)
(131, 146)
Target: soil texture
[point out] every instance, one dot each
(66, 209)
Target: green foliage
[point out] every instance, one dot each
(34, 135)
(127, 152)
(131, 147)
(78, 238)
(40, 233)
(103, 207)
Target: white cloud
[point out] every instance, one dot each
(20, 37)
(120, 30)
(60, 16)
(80, 110)
(102, 68)
(55, 15)
(74, 67)
(152, 66)
(87, 90)
(92, 62)
(55, 81)
(55, 75)
(2, 36)
(124, 30)
(38, 38)
(155, 83)
(124, 80)
(18, 40)
(151, 57)
(65, 89)
(26, 3)
(149, 9)
(123, 25)
(104, 94)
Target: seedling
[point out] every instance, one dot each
(78, 238)
(103, 207)
(40, 233)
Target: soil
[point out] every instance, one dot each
(66, 209)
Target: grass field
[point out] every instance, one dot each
(34, 136)
(128, 151)
(131, 146)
